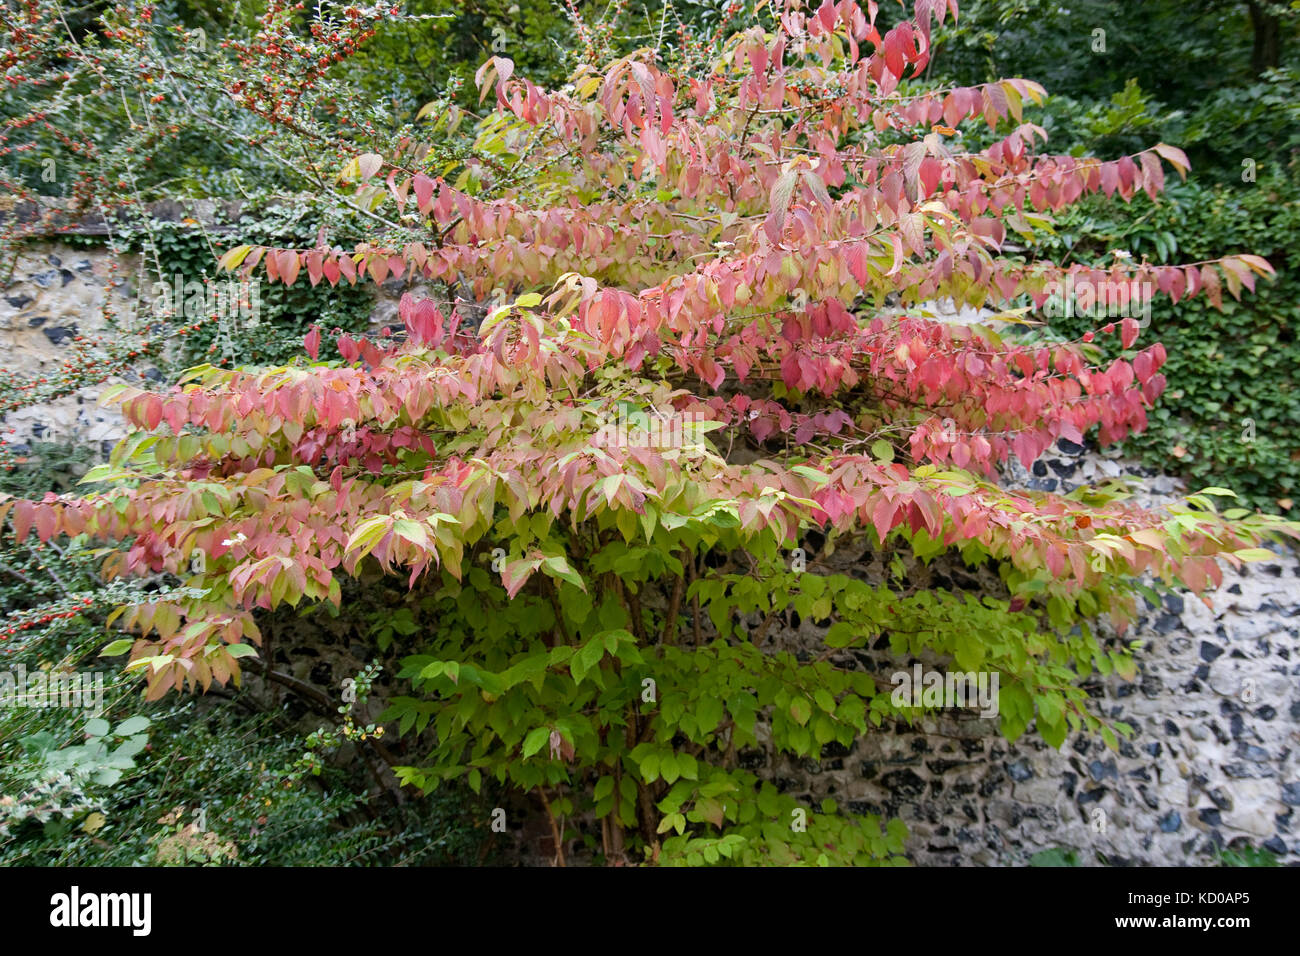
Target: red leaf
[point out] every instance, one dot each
(24, 512)
(1143, 365)
(423, 187)
(46, 520)
(882, 517)
(288, 266)
(153, 411)
(1128, 332)
(315, 262)
(348, 348)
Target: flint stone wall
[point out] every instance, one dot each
(1213, 763)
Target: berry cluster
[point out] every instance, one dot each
(20, 622)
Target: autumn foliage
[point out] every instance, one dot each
(748, 247)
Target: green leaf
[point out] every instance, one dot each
(367, 535)
(117, 647)
(98, 473)
(1255, 554)
(668, 768)
(612, 639)
(969, 653)
(557, 567)
(536, 740)
(811, 473)
(708, 713)
(1053, 734)
(430, 671)
(132, 725)
(650, 767)
(840, 634)
(687, 767)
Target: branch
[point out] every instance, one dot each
(555, 830)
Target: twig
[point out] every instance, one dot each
(674, 608)
(555, 830)
(695, 576)
(50, 571)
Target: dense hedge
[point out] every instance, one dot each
(1232, 414)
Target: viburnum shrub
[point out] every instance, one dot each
(704, 342)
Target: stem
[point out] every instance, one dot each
(555, 830)
(674, 608)
(696, 600)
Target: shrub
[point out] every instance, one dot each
(83, 787)
(215, 786)
(689, 366)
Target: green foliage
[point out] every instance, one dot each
(1181, 50)
(155, 105)
(1056, 856)
(177, 253)
(1233, 415)
(1231, 412)
(1248, 856)
(218, 768)
(106, 754)
(409, 66)
(126, 788)
(507, 702)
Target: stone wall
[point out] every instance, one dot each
(55, 293)
(1214, 761)
(1216, 705)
